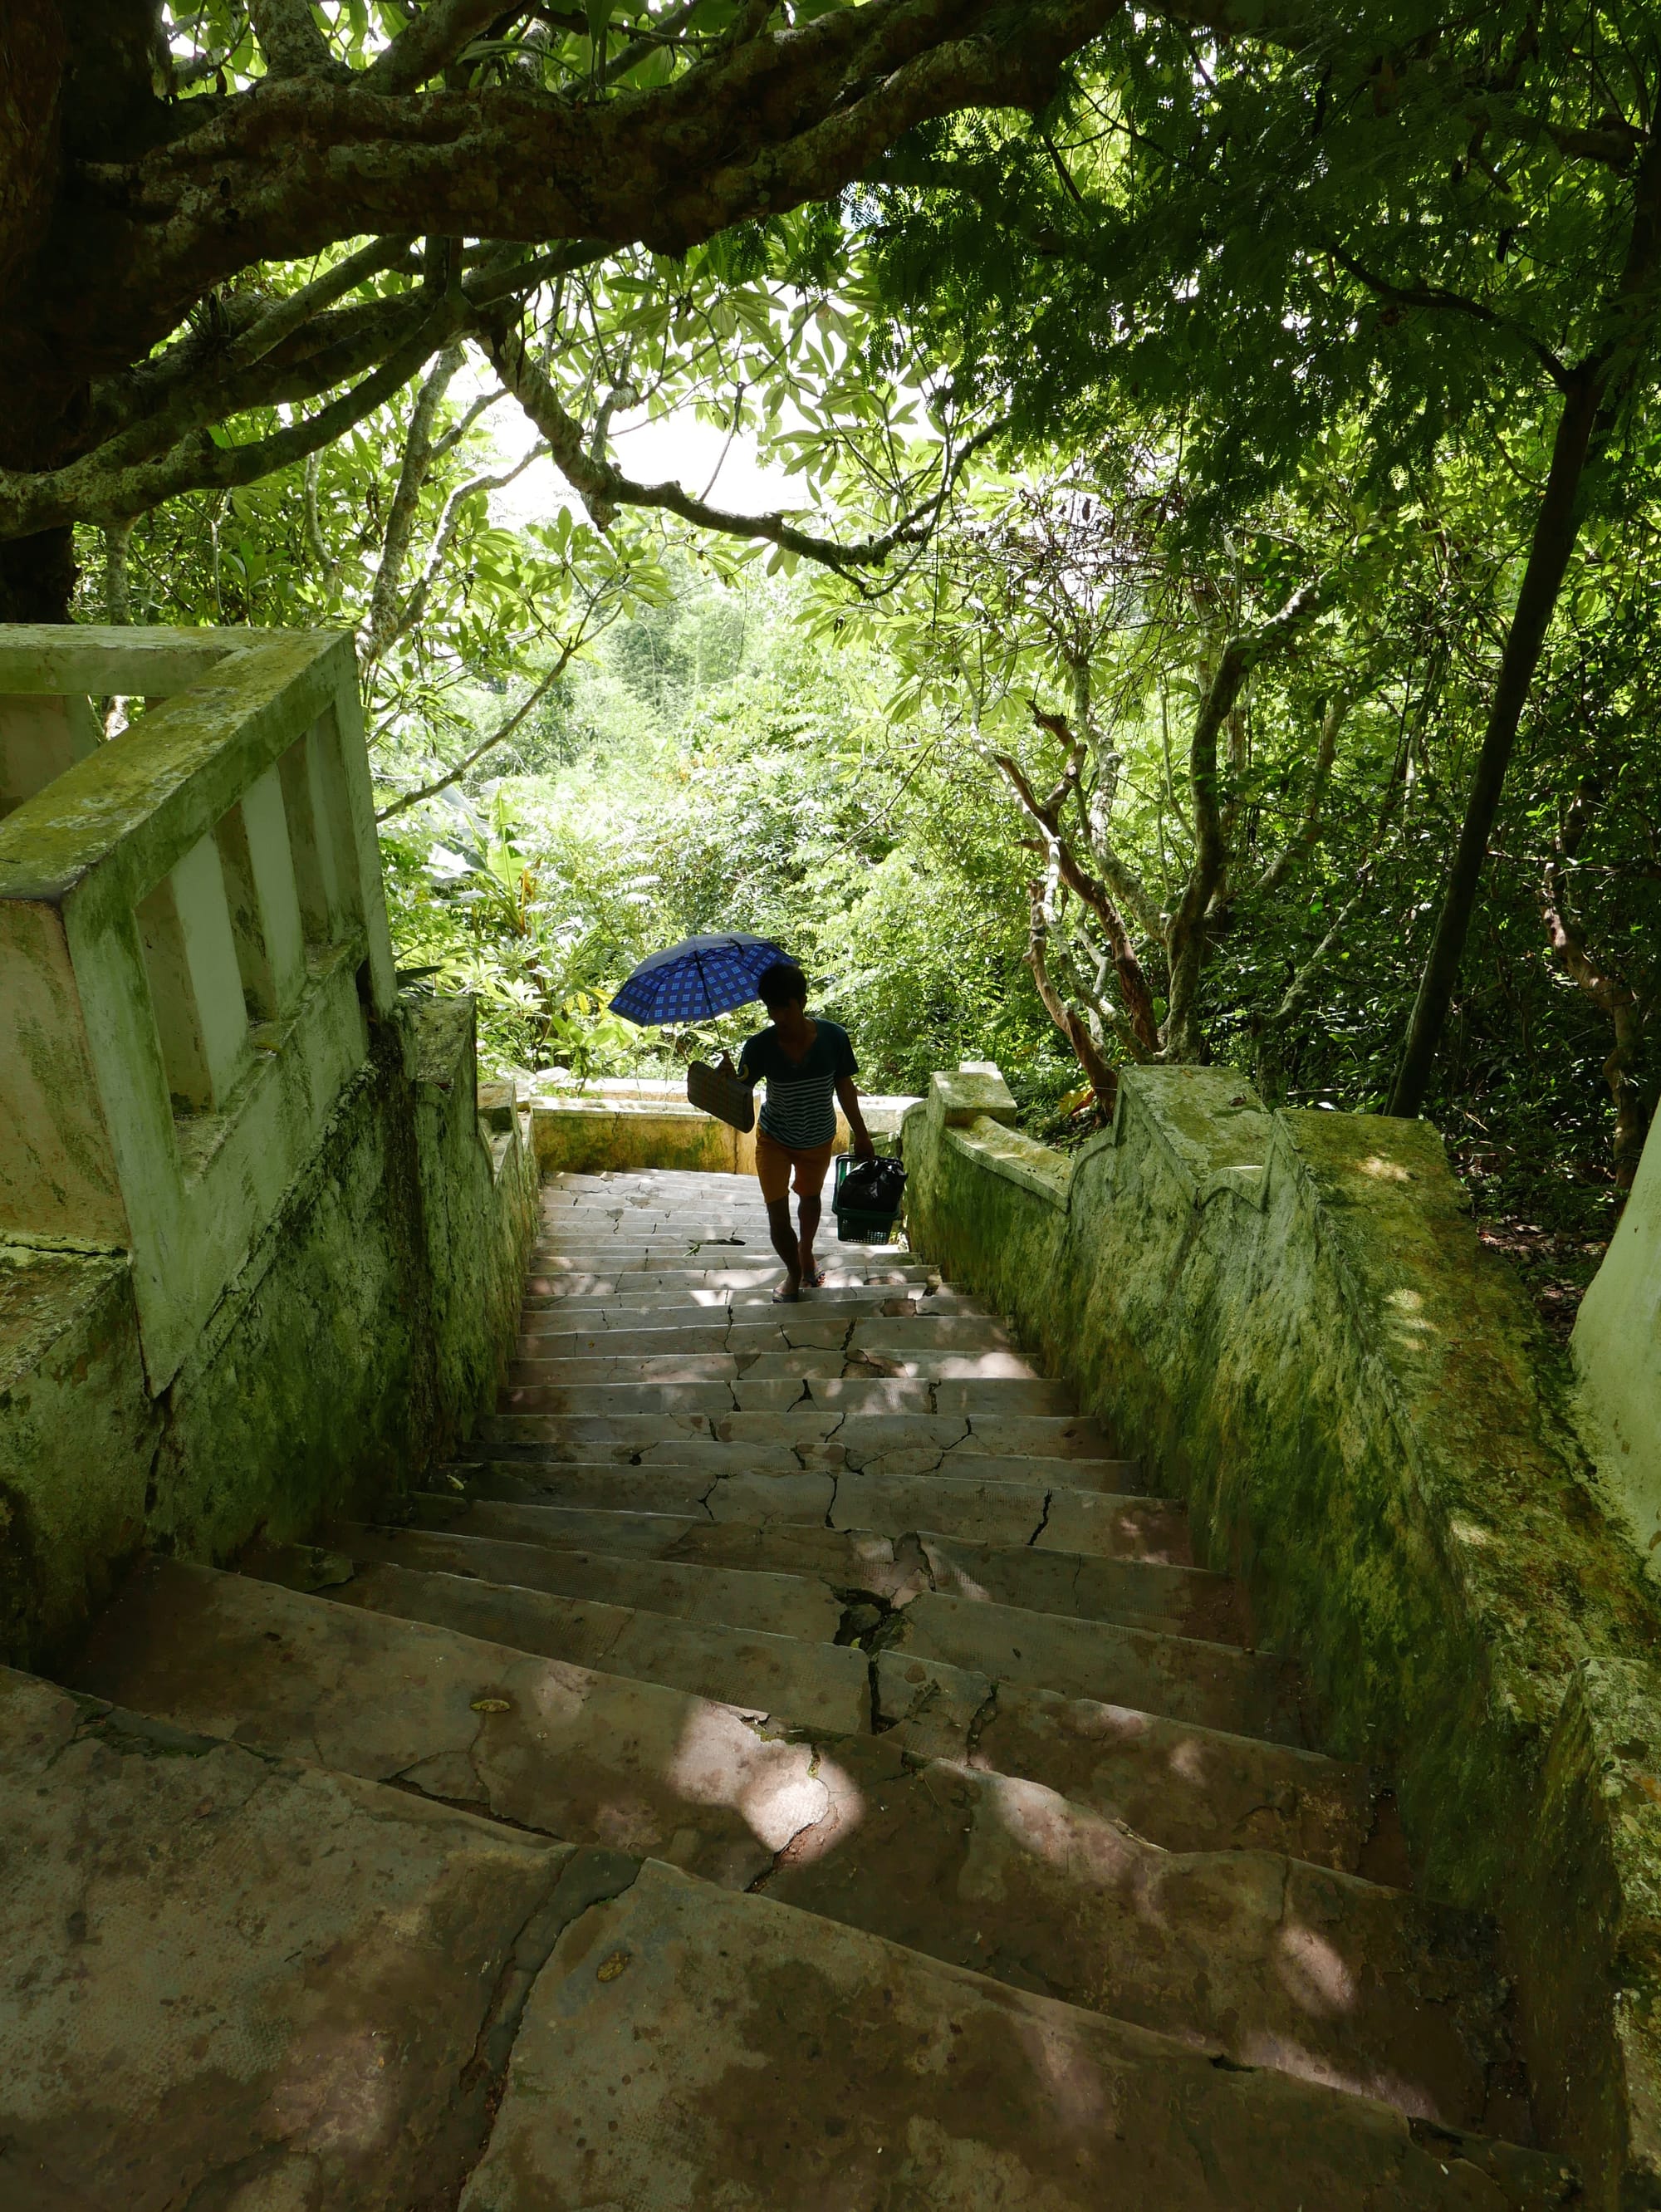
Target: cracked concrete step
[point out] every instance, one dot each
(614, 1397)
(821, 1685)
(750, 1310)
(834, 1437)
(1100, 1523)
(1189, 1599)
(818, 1685)
(1184, 1601)
(231, 1979)
(645, 1293)
(1181, 1786)
(847, 1559)
(688, 2048)
(588, 1758)
(783, 1331)
(662, 1277)
(706, 1357)
(1216, 1684)
(1193, 1945)
(781, 1602)
(1271, 1961)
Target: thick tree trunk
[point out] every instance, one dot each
(37, 577)
(1556, 528)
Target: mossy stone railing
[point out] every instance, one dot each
(192, 932)
(1290, 1316)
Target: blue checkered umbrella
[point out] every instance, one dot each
(698, 978)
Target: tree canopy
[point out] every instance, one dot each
(1213, 610)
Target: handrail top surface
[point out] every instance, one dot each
(141, 800)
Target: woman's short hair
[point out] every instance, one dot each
(777, 985)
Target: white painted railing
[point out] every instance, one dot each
(192, 930)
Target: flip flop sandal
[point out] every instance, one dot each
(813, 1279)
(786, 1296)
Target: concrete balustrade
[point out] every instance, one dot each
(192, 933)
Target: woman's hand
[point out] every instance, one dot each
(863, 1147)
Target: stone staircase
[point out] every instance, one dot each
(793, 1765)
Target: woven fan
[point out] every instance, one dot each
(723, 1096)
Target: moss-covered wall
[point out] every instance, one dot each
(363, 1337)
(1290, 1318)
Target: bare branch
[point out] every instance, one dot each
(1136, 998)
(1104, 1080)
(497, 737)
(450, 522)
(1185, 936)
(603, 489)
(30, 503)
(382, 624)
(1122, 880)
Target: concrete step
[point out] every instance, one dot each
(1190, 1943)
(777, 1602)
(839, 1308)
(663, 1278)
(1183, 1787)
(801, 1329)
(807, 1435)
(1183, 1601)
(1320, 1973)
(800, 1684)
(589, 1757)
(1098, 1523)
(758, 2056)
(1216, 1685)
(618, 1397)
(706, 1357)
(818, 1684)
(231, 1979)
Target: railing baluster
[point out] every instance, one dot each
(195, 982)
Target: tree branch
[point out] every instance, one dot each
(1185, 936)
(290, 40)
(1134, 993)
(1041, 896)
(382, 623)
(497, 737)
(603, 489)
(434, 39)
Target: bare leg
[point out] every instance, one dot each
(812, 1207)
(785, 1243)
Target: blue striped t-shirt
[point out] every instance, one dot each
(800, 1107)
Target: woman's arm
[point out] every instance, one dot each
(848, 1098)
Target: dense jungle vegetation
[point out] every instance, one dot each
(1216, 613)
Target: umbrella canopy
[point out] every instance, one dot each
(698, 978)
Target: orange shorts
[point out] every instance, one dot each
(774, 1163)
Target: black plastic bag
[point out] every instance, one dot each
(871, 1187)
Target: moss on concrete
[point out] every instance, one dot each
(362, 1339)
(1290, 1317)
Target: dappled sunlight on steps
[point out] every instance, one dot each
(929, 1830)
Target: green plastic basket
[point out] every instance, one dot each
(858, 1224)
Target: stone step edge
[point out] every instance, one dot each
(852, 1594)
(1226, 1653)
(505, 1452)
(774, 1727)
